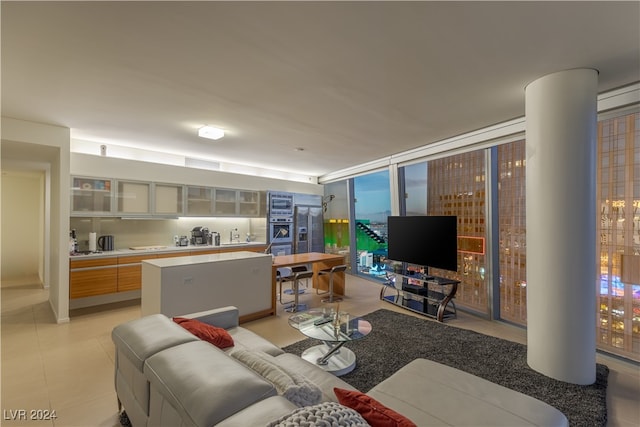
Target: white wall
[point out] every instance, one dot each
(22, 225)
(110, 167)
(35, 142)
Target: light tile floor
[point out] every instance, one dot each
(69, 367)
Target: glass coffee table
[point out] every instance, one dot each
(334, 330)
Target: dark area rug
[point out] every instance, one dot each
(397, 339)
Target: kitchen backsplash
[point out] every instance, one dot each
(148, 232)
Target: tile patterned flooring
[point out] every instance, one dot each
(69, 367)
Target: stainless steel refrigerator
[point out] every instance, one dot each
(309, 229)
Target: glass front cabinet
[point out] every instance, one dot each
(248, 203)
(199, 201)
(123, 198)
(92, 196)
(168, 200)
(133, 198)
(228, 202)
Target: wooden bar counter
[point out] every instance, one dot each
(318, 261)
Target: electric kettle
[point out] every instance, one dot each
(105, 243)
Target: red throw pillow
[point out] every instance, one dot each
(371, 410)
(213, 334)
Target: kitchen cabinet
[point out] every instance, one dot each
(91, 277)
(229, 248)
(172, 254)
(100, 197)
(199, 201)
(130, 272)
(204, 252)
(168, 199)
(253, 248)
(229, 202)
(133, 198)
(248, 203)
(192, 284)
(94, 276)
(226, 202)
(91, 196)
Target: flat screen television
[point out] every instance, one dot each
(430, 241)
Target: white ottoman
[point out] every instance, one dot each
(432, 394)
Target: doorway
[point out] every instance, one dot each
(25, 227)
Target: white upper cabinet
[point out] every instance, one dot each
(134, 198)
(91, 196)
(123, 198)
(230, 202)
(226, 202)
(248, 203)
(168, 200)
(199, 201)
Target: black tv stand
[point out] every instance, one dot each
(422, 294)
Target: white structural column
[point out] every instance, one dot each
(561, 119)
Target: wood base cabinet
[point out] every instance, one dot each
(130, 272)
(114, 274)
(93, 277)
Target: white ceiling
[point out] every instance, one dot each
(348, 82)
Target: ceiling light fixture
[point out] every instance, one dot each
(210, 132)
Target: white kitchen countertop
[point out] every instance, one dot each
(206, 258)
(163, 249)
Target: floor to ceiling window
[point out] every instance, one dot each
(336, 220)
(415, 189)
(512, 232)
(456, 186)
(618, 196)
(372, 202)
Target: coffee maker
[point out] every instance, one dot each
(199, 235)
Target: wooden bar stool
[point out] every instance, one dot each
(330, 272)
(296, 278)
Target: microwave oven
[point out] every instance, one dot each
(280, 204)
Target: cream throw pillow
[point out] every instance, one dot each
(293, 386)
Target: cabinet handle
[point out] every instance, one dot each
(102, 267)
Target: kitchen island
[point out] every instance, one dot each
(112, 276)
(176, 286)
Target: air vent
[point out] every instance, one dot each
(201, 164)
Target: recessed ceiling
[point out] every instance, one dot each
(347, 82)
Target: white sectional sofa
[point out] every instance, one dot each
(165, 376)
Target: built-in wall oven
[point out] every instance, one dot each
(281, 235)
(280, 230)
